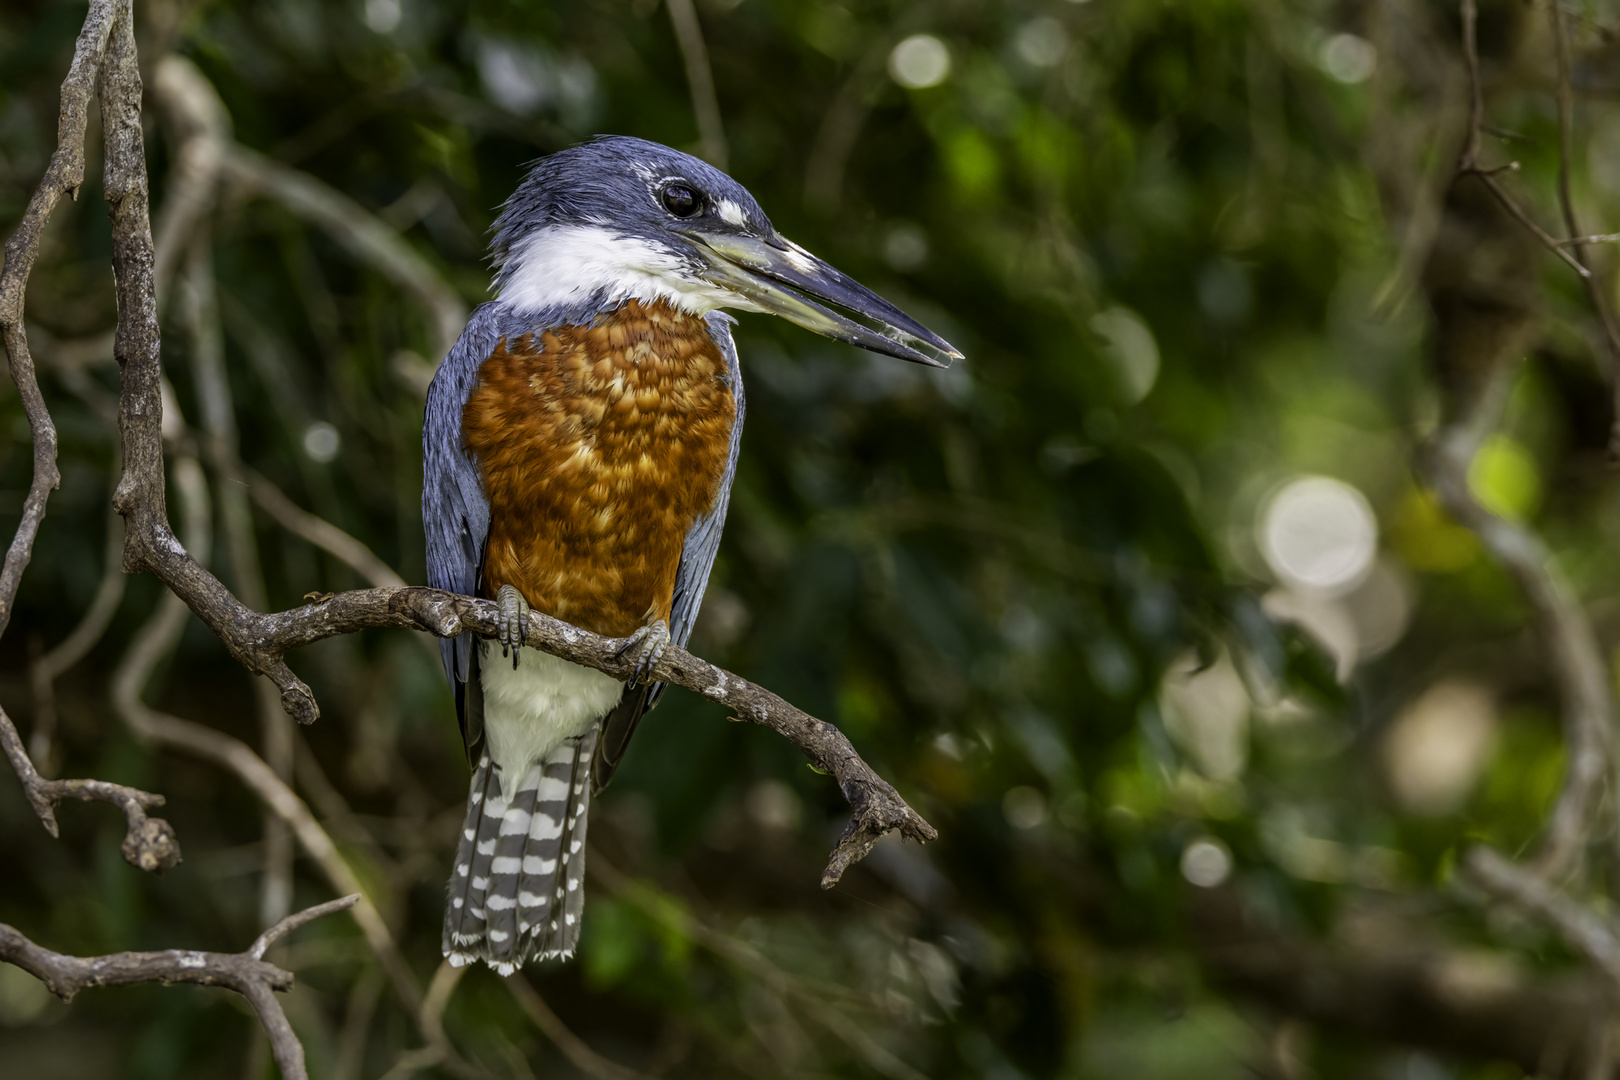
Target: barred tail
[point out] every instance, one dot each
(518, 888)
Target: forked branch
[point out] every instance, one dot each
(150, 843)
(246, 972)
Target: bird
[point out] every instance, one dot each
(579, 444)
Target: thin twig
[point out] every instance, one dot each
(247, 973)
(700, 77)
(1476, 88)
(318, 531)
(292, 922)
(575, 1049)
(1594, 292)
(1469, 162)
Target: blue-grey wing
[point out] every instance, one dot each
(703, 539)
(691, 578)
(455, 513)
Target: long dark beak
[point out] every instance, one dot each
(773, 273)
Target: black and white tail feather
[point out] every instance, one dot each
(517, 892)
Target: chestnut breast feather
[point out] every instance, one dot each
(599, 446)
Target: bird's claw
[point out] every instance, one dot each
(646, 646)
(514, 622)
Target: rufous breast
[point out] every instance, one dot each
(599, 446)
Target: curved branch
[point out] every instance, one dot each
(149, 844)
(247, 973)
(1481, 325)
(63, 177)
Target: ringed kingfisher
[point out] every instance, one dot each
(580, 441)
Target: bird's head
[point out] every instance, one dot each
(617, 219)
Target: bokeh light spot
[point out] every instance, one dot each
(383, 16)
(322, 441)
(1024, 807)
(1439, 745)
(920, 61)
(1206, 863)
(1348, 58)
(1131, 349)
(1319, 533)
(906, 247)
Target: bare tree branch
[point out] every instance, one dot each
(260, 641)
(149, 844)
(1481, 325)
(247, 973)
(64, 176)
(1582, 929)
(1470, 157)
(298, 918)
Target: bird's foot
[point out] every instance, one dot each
(645, 647)
(514, 622)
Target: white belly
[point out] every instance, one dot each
(530, 711)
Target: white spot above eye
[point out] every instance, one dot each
(732, 213)
(565, 264)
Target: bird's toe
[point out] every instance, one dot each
(513, 622)
(645, 648)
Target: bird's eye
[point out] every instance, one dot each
(681, 200)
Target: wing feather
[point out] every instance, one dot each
(455, 513)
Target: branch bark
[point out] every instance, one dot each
(149, 843)
(261, 640)
(247, 973)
